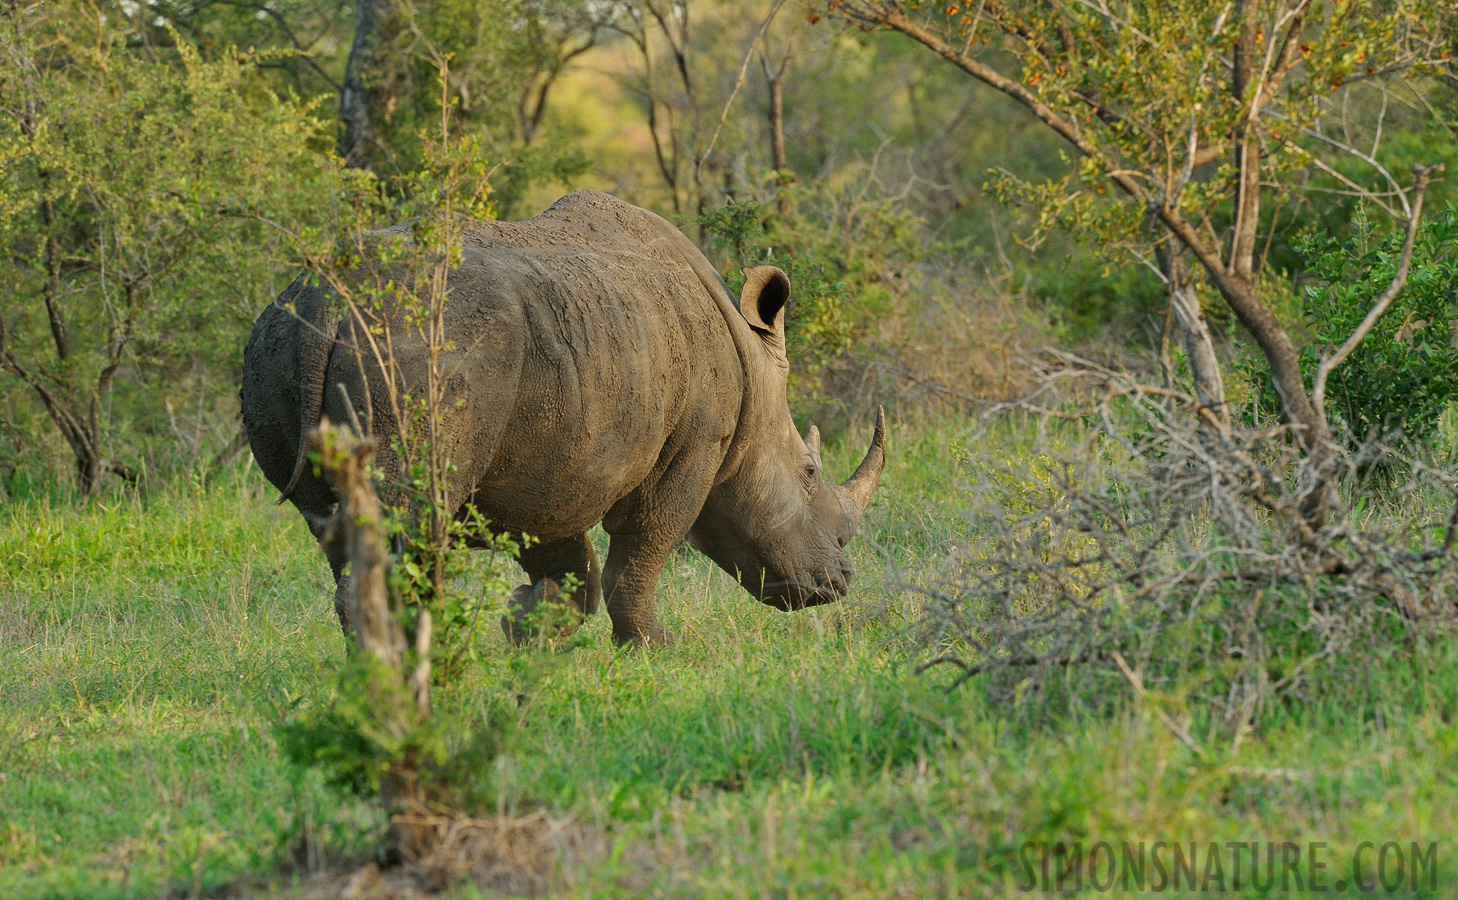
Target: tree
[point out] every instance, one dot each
(1184, 115)
(124, 171)
(375, 61)
(503, 58)
(308, 40)
(675, 120)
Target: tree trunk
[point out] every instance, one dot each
(1280, 353)
(777, 125)
(88, 472)
(81, 440)
(1200, 350)
(1195, 336)
(358, 139)
(776, 83)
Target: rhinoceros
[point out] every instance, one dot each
(600, 371)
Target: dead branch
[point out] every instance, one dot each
(359, 524)
(1137, 684)
(1133, 527)
(374, 620)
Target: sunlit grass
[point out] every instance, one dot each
(149, 646)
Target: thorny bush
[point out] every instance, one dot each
(1141, 545)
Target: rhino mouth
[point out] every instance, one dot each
(828, 585)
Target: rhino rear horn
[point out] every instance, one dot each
(862, 485)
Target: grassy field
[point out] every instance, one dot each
(150, 646)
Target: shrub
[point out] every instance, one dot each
(847, 250)
(129, 256)
(1140, 546)
(1405, 373)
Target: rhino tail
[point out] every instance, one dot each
(318, 329)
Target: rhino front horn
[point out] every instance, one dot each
(860, 486)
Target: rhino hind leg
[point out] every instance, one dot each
(321, 526)
(550, 566)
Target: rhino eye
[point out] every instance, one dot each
(811, 473)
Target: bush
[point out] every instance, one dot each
(848, 253)
(132, 260)
(1403, 376)
(1140, 546)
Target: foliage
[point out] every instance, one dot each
(543, 85)
(137, 270)
(1145, 88)
(126, 257)
(1405, 374)
(498, 54)
(504, 57)
(848, 248)
(359, 734)
(1183, 113)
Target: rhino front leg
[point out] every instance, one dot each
(645, 526)
(629, 581)
(548, 566)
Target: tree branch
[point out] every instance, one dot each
(738, 83)
(1138, 685)
(1421, 175)
(896, 20)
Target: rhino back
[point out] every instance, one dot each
(590, 350)
(586, 355)
(617, 378)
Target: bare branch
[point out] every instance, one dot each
(1138, 685)
(1357, 190)
(1311, 132)
(738, 83)
(1160, 556)
(893, 18)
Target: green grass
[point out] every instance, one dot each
(149, 647)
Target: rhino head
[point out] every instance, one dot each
(773, 521)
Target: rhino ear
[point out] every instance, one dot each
(762, 302)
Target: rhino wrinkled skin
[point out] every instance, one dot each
(600, 372)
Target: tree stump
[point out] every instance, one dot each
(375, 622)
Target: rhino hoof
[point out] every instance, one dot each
(657, 636)
(542, 610)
